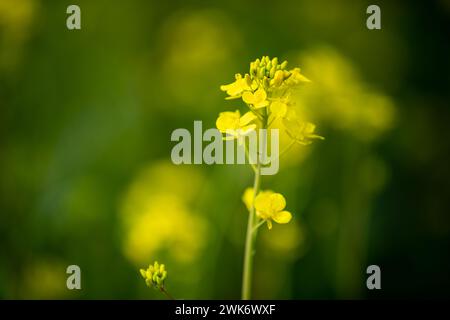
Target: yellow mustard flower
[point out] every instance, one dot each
(235, 89)
(235, 126)
(257, 99)
(268, 205)
(154, 275)
(301, 132)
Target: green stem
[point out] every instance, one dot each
(248, 158)
(258, 224)
(250, 239)
(250, 242)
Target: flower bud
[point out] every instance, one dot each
(278, 78)
(248, 79)
(272, 71)
(261, 72)
(154, 275)
(275, 62)
(252, 68)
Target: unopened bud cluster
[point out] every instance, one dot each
(155, 275)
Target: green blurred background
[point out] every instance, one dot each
(85, 170)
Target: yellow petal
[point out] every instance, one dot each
(143, 272)
(260, 95)
(262, 201)
(225, 87)
(248, 97)
(232, 97)
(263, 204)
(261, 104)
(269, 224)
(234, 90)
(237, 87)
(246, 118)
(228, 120)
(282, 217)
(277, 202)
(247, 129)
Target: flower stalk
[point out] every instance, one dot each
(250, 241)
(266, 91)
(252, 227)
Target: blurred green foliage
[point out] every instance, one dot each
(85, 171)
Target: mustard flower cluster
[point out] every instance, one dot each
(155, 275)
(266, 91)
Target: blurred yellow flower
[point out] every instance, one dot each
(43, 279)
(300, 132)
(296, 78)
(257, 100)
(341, 99)
(235, 126)
(247, 198)
(158, 218)
(16, 25)
(288, 242)
(166, 225)
(194, 50)
(278, 108)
